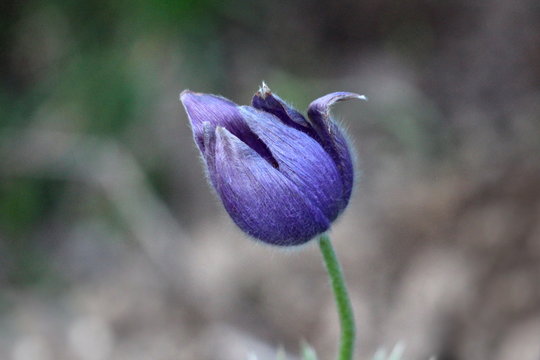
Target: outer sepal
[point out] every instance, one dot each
(332, 137)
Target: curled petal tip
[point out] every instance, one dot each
(322, 105)
(345, 95)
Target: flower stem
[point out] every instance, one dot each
(346, 316)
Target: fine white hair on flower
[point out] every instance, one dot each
(263, 89)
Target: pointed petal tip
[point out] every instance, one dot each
(263, 91)
(221, 131)
(196, 102)
(184, 93)
(225, 135)
(189, 94)
(189, 98)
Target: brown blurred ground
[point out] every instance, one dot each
(132, 257)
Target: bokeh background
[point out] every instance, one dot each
(112, 246)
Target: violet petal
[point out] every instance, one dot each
(262, 201)
(301, 159)
(219, 111)
(332, 137)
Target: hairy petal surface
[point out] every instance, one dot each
(218, 111)
(260, 199)
(301, 159)
(332, 137)
(209, 153)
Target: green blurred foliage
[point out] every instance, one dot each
(23, 205)
(89, 75)
(93, 68)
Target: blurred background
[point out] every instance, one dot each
(112, 246)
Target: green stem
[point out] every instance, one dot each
(346, 316)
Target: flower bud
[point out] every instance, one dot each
(282, 179)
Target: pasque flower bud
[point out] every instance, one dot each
(283, 179)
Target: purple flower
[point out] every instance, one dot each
(282, 178)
